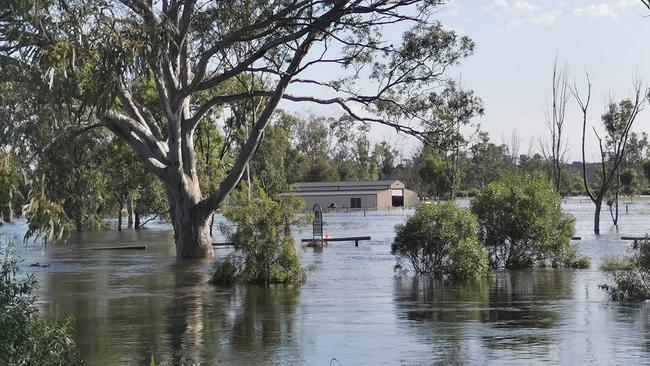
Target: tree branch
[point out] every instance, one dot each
(234, 176)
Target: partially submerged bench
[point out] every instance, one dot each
(123, 247)
(355, 239)
(635, 239)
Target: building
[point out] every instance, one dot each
(382, 195)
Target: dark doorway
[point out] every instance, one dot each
(355, 202)
(398, 198)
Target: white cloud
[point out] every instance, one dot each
(497, 7)
(526, 12)
(524, 6)
(622, 4)
(604, 10)
(600, 10)
(545, 18)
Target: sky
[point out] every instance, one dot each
(511, 69)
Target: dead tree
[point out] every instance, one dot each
(618, 121)
(555, 117)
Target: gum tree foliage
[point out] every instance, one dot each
(441, 239)
(646, 170)
(489, 161)
(24, 339)
(522, 223)
(46, 220)
(432, 171)
(202, 55)
(264, 251)
(629, 182)
(11, 179)
(452, 109)
(73, 167)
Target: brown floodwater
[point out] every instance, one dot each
(353, 309)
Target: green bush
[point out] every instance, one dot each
(264, 251)
(522, 223)
(631, 278)
(24, 339)
(440, 239)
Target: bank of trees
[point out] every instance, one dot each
(151, 73)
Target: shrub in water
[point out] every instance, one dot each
(264, 251)
(440, 239)
(522, 223)
(24, 339)
(632, 277)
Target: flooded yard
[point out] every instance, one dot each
(352, 310)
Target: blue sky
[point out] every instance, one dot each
(516, 42)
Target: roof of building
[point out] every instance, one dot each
(331, 193)
(324, 187)
(348, 184)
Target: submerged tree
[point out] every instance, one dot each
(522, 223)
(617, 120)
(203, 55)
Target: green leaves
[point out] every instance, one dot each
(522, 222)
(45, 219)
(24, 339)
(441, 239)
(261, 233)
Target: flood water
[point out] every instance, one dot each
(353, 310)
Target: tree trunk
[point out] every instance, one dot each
(137, 219)
(597, 218)
(191, 228)
(77, 222)
(119, 217)
(8, 216)
(129, 208)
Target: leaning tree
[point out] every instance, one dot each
(376, 60)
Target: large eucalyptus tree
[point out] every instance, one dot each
(376, 60)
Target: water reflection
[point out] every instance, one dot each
(185, 314)
(513, 312)
(519, 299)
(129, 305)
(260, 322)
